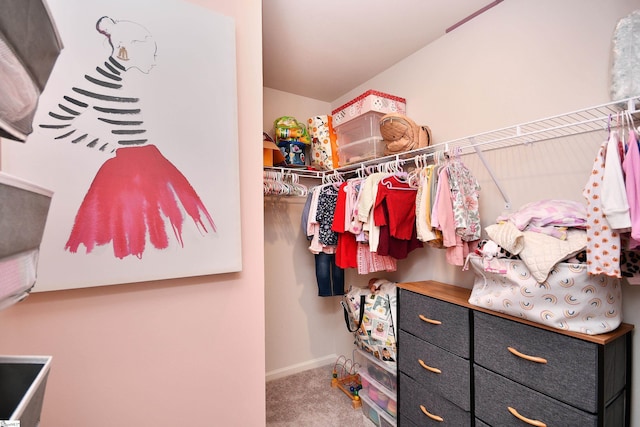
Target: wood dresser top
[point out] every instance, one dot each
(460, 296)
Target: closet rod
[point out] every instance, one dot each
(573, 123)
(300, 171)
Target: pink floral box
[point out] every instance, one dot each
(371, 100)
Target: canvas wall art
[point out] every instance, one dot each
(136, 135)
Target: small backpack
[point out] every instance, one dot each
(401, 134)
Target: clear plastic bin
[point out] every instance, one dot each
(378, 394)
(384, 374)
(379, 417)
(360, 151)
(364, 127)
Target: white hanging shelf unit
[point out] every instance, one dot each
(590, 119)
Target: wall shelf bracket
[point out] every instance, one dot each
(480, 154)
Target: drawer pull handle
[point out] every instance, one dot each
(429, 368)
(426, 319)
(526, 356)
(535, 423)
(430, 415)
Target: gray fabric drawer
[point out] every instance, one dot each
(454, 380)
(570, 374)
(479, 423)
(453, 332)
(414, 395)
(494, 394)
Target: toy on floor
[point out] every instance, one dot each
(347, 380)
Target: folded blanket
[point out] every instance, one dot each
(549, 216)
(540, 252)
(507, 236)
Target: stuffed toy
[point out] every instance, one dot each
(401, 134)
(492, 255)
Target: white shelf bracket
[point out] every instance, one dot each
(507, 201)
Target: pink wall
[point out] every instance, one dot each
(177, 352)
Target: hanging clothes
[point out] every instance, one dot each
(603, 241)
(424, 231)
(465, 192)
(400, 201)
(444, 219)
(347, 247)
(313, 226)
(353, 249)
(319, 212)
(631, 169)
(304, 219)
(352, 223)
(329, 277)
(372, 262)
(394, 212)
(367, 199)
(615, 206)
(327, 199)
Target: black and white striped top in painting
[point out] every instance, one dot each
(98, 113)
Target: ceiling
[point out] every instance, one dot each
(323, 49)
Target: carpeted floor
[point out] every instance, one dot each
(307, 399)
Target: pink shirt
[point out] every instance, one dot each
(631, 167)
(457, 250)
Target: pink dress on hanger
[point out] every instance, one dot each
(631, 168)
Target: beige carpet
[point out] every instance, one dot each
(307, 399)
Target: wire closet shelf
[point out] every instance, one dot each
(590, 119)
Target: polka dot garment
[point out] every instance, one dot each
(603, 243)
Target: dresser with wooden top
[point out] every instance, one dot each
(460, 365)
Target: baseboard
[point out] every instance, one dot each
(300, 367)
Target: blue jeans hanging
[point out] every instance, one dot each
(329, 276)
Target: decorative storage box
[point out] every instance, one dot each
(324, 143)
(293, 152)
(271, 154)
(371, 100)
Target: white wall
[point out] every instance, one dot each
(303, 330)
(521, 60)
(518, 62)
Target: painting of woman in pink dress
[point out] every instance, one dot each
(137, 194)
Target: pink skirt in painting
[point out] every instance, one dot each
(130, 198)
